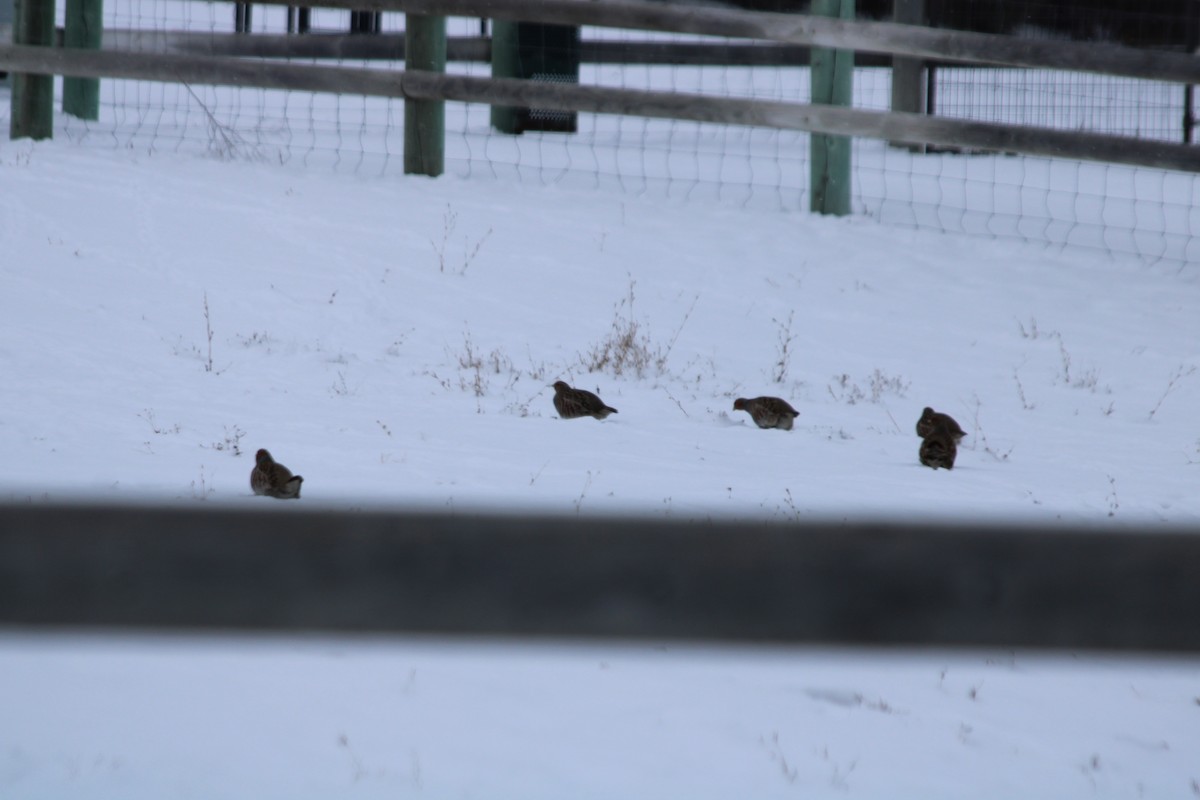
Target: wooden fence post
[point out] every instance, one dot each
(832, 84)
(84, 22)
(908, 74)
(425, 120)
(33, 95)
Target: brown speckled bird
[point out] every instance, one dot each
(938, 450)
(768, 412)
(273, 479)
(571, 403)
(932, 421)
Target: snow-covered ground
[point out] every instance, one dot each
(138, 718)
(393, 339)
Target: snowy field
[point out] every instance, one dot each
(166, 312)
(393, 339)
(138, 718)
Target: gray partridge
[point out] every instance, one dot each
(938, 450)
(932, 421)
(273, 479)
(768, 412)
(571, 403)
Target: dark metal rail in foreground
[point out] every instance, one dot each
(288, 570)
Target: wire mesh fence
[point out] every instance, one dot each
(1052, 99)
(1123, 211)
(1075, 101)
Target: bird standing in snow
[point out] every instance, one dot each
(767, 412)
(938, 450)
(273, 479)
(571, 403)
(933, 421)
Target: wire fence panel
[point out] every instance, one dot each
(1144, 213)
(1058, 99)
(1071, 101)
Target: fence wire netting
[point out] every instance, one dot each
(1073, 101)
(1116, 210)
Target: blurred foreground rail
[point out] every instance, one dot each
(187, 570)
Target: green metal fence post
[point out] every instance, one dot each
(425, 120)
(32, 95)
(84, 21)
(6, 20)
(537, 52)
(832, 84)
(506, 63)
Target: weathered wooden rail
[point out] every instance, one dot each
(801, 29)
(892, 126)
(792, 30)
(391, 47)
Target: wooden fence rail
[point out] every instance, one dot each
(391, 47)
(801, 29)
(600, 100)
(788, 29)
(913, 585)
